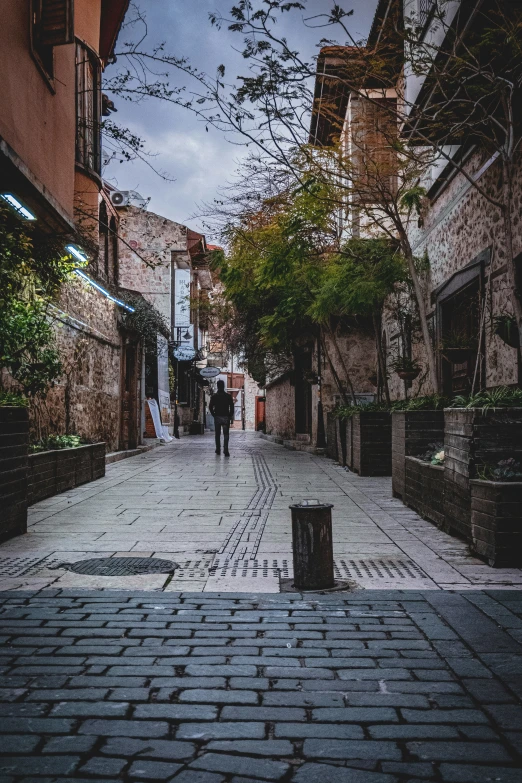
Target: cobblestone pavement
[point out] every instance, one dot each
(370, 687)
(226, 524)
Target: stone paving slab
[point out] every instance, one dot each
(372, 687)
(226, 523)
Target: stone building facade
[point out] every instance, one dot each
(459, 237)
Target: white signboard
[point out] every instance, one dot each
(184, 354)
(182, 297)
(209, 372)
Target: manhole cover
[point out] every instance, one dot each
(122, 566)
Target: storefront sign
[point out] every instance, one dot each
(209, 372)
(184, 354)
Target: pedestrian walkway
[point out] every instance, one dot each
(367, 687)
(225, 525)
(206, 673)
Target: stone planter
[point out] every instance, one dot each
(331, 436)
(371, 443)
(496, 522)
(424, 489)
(14, 444)
(52, 472)
(340, 434)
(412, 433)
(473, 438)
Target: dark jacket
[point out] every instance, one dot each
(222, 404)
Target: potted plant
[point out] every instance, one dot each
(457, 347)
(406, 368)
(505, 326)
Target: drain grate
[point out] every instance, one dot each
(122, 566)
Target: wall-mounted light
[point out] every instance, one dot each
(103, 291)
(79, 254)
(18, 206)
(187, 335)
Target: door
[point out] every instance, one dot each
(461, 325)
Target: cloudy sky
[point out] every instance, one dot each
(200, 161)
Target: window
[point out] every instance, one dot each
(52, 24)
(88, 108)
(426, 11)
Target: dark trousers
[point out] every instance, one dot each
(222, 423)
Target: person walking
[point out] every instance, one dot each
(222, 409)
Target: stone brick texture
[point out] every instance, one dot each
(392, 686)
(457, 226)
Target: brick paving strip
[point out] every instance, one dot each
(369, 687)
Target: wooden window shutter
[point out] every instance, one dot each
(56, 26)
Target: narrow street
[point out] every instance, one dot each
(212, 675)
(226, 524)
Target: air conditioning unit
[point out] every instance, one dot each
(120, 198)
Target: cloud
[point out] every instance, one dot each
(199, 161)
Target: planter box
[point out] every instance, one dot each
(52, 472)
(412, 433)
(473, 438)
(340, 434)
(496, 522)
(14, 444)
(348, 439)
(371, 443)
(331, 436)
(424, 489)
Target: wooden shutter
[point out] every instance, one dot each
(56, 26)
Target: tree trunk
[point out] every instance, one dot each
(343, 365)
(419, 296)
(380, 357)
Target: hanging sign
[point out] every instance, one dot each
(184, 354)
(209, 372)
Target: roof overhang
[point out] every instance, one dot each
(112, 15)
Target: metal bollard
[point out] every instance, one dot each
(312, 545)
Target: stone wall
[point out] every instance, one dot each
(146, 254)
(280, 407)
(86, 399)
(458, 225)
(252, 390)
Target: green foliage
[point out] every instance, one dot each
(145, 321)
(357, 280)
(32, 269)
(429, 402)
(56, 442)
(434, 454)
(501, 397)
(11, 399)
(412, 199)
(505, 470)
(404, 364)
